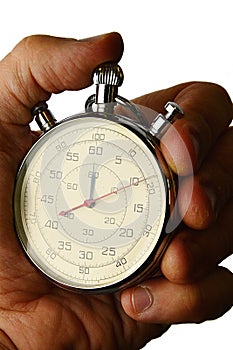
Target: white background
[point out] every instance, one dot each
(166, 42)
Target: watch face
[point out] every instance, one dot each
(90, 203)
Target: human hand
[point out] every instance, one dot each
(194, 288)
(34, 314)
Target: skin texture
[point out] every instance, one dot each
(34, 314)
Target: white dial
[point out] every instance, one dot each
(90, 203)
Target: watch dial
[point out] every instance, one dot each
(90, 203)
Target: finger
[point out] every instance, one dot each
(208, 112)
(160, 301)
(8, 247)
(192, 255)
(186, 258)
(41, 65)
(200, 205)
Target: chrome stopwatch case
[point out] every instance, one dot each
(93, 195)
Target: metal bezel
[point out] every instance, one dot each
(152, 264)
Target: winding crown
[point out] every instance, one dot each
(108, 73)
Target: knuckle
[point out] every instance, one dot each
(196, 304)
(29, 42)
(210, 298)
(218, 93)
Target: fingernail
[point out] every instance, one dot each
(141, 299)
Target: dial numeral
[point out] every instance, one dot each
(46, 198)
(86, 255)
(121, 262)
(111, 251)
(132, 153)
(138, 208)
(51, 253)
(93, 174)
(61, 146)
(83, 270)
(148, 228)
(109, 220)
(97, 150)
(151, 188)
(32, 218)
(36, 178)
(118, 160)
(98, 137)
(52, 224)
(134, 181)
(55, 174)
(64, 245)
(88, 232)
(72, 186)
(72, 156)
(126, 232)
(69, 216)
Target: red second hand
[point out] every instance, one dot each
(88, 202)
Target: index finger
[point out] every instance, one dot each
(208, 112)
(41, 65)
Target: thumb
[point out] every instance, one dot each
(40, 65)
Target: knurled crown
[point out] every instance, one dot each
(108, 73)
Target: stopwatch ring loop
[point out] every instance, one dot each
(121, 101)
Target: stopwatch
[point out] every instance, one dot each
(94, 195)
